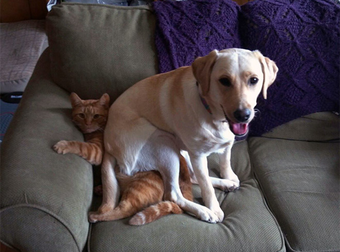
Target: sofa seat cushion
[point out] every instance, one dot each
(297, 166)
(21, 44)
(96, 49)
(248, 224)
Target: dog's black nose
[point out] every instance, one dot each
(242, 115)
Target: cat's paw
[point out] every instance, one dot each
(62, 147)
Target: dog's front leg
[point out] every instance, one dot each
(200, 166)
(226, 171)
(110, 190)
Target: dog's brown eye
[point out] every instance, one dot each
(225, 82)
(253, 80)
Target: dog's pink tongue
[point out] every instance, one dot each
(240, 128)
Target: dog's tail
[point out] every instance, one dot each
(155, 212)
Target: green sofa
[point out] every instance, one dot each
(289, 194)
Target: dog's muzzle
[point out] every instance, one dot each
(239, 128)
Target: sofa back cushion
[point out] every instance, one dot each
(99, 48)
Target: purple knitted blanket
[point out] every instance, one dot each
(302, 37)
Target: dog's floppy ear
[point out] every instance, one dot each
(269, 70)
(202, 67)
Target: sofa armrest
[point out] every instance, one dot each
(45, 196)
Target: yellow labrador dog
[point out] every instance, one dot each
(196, 110)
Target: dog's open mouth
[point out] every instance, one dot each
(239, 129)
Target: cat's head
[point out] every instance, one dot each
(90, 115)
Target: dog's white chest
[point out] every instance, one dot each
(208, 140)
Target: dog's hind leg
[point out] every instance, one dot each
(223, 184)
(110, 190)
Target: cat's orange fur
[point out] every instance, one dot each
(90, 117)
(144, 189)
(139, 191)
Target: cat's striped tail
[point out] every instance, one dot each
(155, 212)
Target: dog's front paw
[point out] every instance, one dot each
(219, 213)
(234, 182)
(234, 185)
(211, 216)
(62, 147)
(225, 184)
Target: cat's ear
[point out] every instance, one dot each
(105, 100)
(75, 100)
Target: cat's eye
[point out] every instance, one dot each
(225, 82)
(96, 116)
(81, 115)
(253, 81)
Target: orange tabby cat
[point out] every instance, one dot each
(145, 188)
(90, 117)
(138, 191)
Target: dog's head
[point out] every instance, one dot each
(230, 81)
